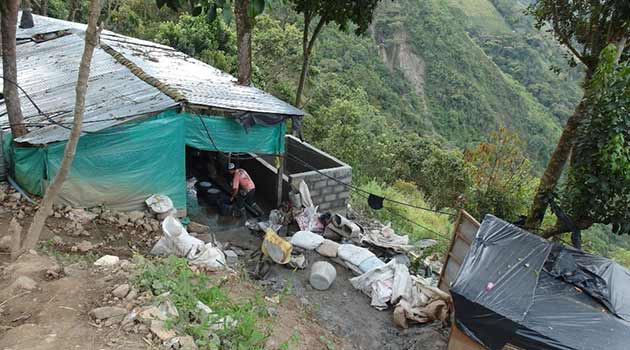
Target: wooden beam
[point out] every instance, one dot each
(280, 183)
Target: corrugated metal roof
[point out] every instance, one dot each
(48, 72)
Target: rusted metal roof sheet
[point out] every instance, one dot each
(48, 71)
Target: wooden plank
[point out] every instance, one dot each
(450, 246)
(464, 233)
(280, 182)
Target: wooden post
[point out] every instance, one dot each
(280, 180)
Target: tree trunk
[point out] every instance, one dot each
(307, 48)
(72, 9)
(43, 8)
(552, 173)
(243, 41)
(91, 40)
(9, 11)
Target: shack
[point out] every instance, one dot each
(150, 112)
(516, 290)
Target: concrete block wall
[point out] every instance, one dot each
(327, 193)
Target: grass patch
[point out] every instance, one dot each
(48, 248)
(231, 325)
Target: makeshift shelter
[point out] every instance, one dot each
(145, 104)
(516, 290)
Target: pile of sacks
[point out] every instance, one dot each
(391, 284)
(412, 297)
(177, 241)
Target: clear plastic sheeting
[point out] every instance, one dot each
(517, 288)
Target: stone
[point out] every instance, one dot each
(5, 242)
(105, 312)
(24, 283)
(168, 309)
(203, 307)
(187, 343)
(197, 227)
(158, 328)
(15, 196)
(107, 260)
(135, 215)
(85, 246)
(121, 291)
(231, 257)
(328, 248)
(123, 219)
(131, 295)
(57, 240)
(72, 270)
(147, 227)
(151, 313)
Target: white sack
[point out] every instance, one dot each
(307, 240)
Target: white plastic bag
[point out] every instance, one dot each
(307, 240)
(160, 204)
(176, 240)
(354, 254)
(208, 256)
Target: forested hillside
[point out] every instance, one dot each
(443, 103)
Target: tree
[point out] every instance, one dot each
(584, 27)
(598, 186)
(501, 177)
(45, 207)
(244, 13)
(360, 13)
(9, 13)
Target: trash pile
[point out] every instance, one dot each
(385, 277)
(177, 241)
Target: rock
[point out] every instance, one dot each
(151, 313)
(54, 272)
(168, 309)
(57, 240)
(135, 215)
(16, 196)
(426, 243)
(5, 242)
(131, 295)
(85, 246)
(20, 215)
(322, 275)
(121, 291)
(187, 343)
(107, 260)
(197, 227)
(123, 219)
(147, 227)
(328, 248)
(159, 329)
(231, 257)
(24, 283)
(80, 216)
(105, 312)
(203, 307)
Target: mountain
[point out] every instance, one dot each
(458, 69)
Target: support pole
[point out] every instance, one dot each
(280, 180)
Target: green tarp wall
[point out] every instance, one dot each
(121, 166)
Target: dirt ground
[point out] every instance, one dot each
(343, 310)
(55, 315)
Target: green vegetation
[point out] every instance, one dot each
(231, 325)
(412, 104)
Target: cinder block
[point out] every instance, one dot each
(325, 206)
(327, 190)
(343, 195)
(330, 197)
(320, 184)
(340, 188)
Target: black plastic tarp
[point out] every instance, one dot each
(515, 287)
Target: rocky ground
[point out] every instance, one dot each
(56, 298)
